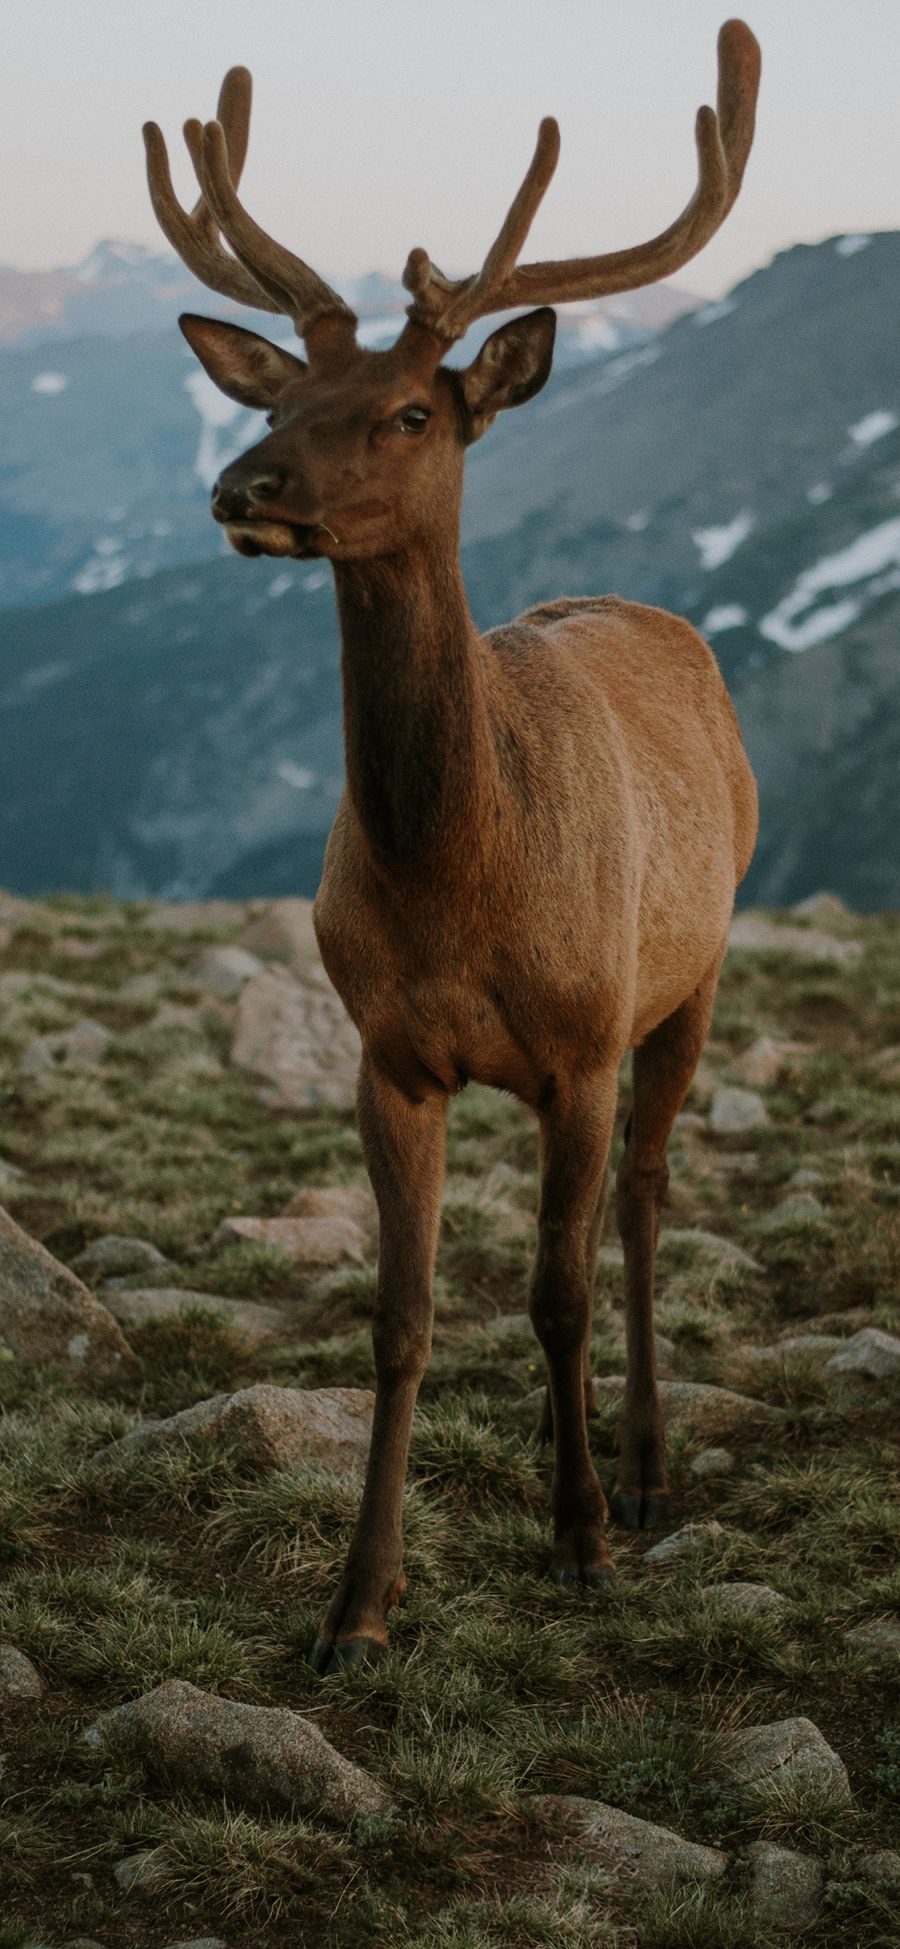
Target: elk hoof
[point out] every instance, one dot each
(588, 1579)
(633, 1511)
(327, 1657)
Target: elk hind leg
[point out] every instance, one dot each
(663, 1067)
(575, 1137)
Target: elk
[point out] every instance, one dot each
(533, 866)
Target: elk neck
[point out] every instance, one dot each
(422, 768)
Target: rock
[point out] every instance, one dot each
(868, 1352)
(807, 1178)
(139, 1874)
(799, 1209)
(80, 1047)
(789, 1752)
(752, 933)
(12, 1179)
(808, 1346)
(353, 1201)
(708, 1245)
(735, 1110)
(682, 1542)
(284, 931)
(691, 1120)
(699, 1408)
(882, 1867)
(173, 1015)
(765, 1060)
(268, 1427)
(878, 1641)
(200, 1942)
(509, 1325)
(305, 1241)
(712, 1462)
(635, 1851)
(253, 1753)
(134, 1306)
(225, 969)
(18, 1678)
(786, 1888)
(664, 1351)
(821, 906)
(194, 916)
(142, 987)
(298, 1037)
(112, 1254)
(745, 1600)
(46, 1314)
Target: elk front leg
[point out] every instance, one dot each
(404, 1150)
(575, 1139)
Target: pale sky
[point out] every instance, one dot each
(379, 124)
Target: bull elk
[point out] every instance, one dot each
(534, 862)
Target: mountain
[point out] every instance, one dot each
(113, 435)
(181, 733)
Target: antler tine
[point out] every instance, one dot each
(723, 145)
(294, 287)
(449, 307)
(195, 236)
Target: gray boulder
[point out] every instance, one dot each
(712, 1462)
(256, 1754)
(297, 1037)
(46, 1314)
(18, 1678)
(141, 1873)
(224, 969)
(637, 1852)
(315, 1242)
(134, 1306)
(736, 1110)
(787, 1752)
(740, 1600)
(753, 933)
(700, 1409)
(786, 1888)
(682, 1542)
(878, 1641)
(80, 1047)
(882, 1868)
(269, 1427)
(869, 1352)
(113, 1255)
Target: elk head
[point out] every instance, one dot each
(365, 450)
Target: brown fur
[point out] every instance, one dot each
(534, 862)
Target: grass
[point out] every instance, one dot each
(497, 1687)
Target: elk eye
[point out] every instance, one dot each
(414, 419)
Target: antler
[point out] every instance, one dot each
(448, 308)
(261, 272)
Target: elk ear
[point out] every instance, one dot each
(241, 364)
(513, 365)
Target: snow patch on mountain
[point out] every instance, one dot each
(796, 624)
(873, 426)
(49, 383)
(848, 246)
(717, 545)
(710, 314)
(216, 413)
(728, 615)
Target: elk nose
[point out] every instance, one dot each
(232, 500)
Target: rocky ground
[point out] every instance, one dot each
(705, 1757)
